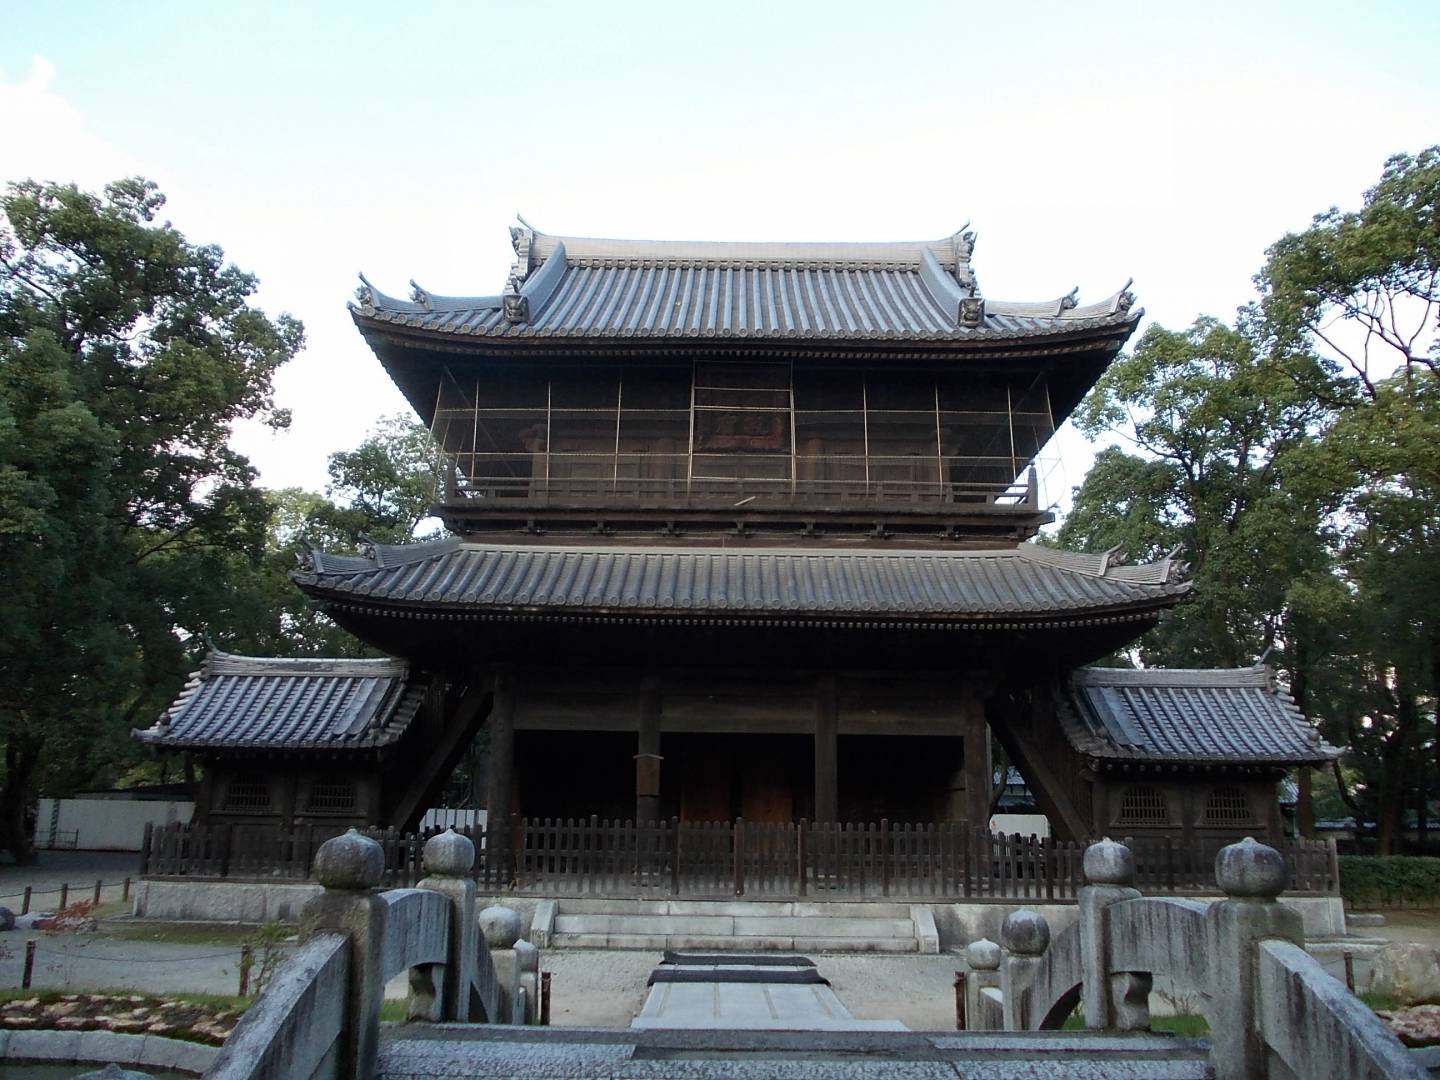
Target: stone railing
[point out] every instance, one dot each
(1272, 1010)
(319, 1019)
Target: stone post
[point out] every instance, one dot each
(1251, 875)
(982, 957)
(350, 867)
(448, 859)
(1113, 1001)
(501, 927)
(1026, 936)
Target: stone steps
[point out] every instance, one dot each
(484, 1051)
(790, 926)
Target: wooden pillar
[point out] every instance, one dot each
(827, 756)
(502, 746)
(1305, 803)
(977, 766)
(647, 752)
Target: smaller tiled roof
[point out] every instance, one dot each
(252, 702)
(1192, 716)
(1025, 584)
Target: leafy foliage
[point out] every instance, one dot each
(1294, 459)
(1370, 881)
(126, 354)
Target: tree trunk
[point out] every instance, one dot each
(1397, 774)
(22, 753)
(1304, 777)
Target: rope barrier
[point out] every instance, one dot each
(51, 951)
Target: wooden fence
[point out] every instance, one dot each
(714, 860)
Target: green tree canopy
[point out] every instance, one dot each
(126, 354)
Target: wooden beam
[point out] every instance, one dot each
(427, 780)
(1036, 765)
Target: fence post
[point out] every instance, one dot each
(884, 846)
(1113, 1002)
(448, 859)
(739, 856)
(98, 886)
(983, 958)
(29, 965)
(1026, 936)
(247, 958)
(674, 888)
(1252, 876)
(350, 867)
(125, 892)
(145, 847)
(25, 903)
(800, 855)
(64, 896)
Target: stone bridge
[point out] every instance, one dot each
(1272, 1010)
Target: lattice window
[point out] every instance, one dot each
(249, 793)
(1143, 805)
(1227, 806)
(331, 797)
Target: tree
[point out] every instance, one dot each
(126, 354)
(1221, 440)
(1362, 288)
(382, 491)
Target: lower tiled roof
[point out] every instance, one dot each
(1025, 584)
(248, 702)
(1200, 716)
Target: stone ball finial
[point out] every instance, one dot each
(449, 854)
(1250, 868)
(1025, 933)
(350, 861)
(1109, 862)
(983, 955)
(501, 926)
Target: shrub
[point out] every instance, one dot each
(1390, 880)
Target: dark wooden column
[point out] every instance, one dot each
(1305, 803)
(978, 776)
(647, 752)
(502, 746)
(827, 757)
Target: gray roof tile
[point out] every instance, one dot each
(248, 702)
(579, 287)
(1028, 583)
(1195, 716)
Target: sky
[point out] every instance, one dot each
(1085, 144)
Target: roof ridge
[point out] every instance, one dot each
(950, 250)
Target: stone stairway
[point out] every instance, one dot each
(416, 1052)
(746, 926)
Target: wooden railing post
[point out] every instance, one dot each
(800, 856)
(739, 847)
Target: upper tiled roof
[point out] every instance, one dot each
(249, 702)
(1200, 716)
(579, 287)
(1024, 584)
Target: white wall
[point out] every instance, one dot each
(446, 817)
(1024, 824)
(106, 824)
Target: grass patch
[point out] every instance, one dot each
(1379, 1002)
(1188, 1024)
(169, 933)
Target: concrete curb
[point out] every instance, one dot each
(103, 1047)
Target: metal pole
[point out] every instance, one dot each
(545, 999)
(98, 886)
(125, 891)
(959, 1001)
(25, 903)
(29, 965)
(1349, 959)
(64, 896)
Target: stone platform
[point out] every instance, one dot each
(441, 1052)
(754, 992)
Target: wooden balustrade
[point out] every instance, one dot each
(714, 860)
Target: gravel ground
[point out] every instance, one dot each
(81, 869)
